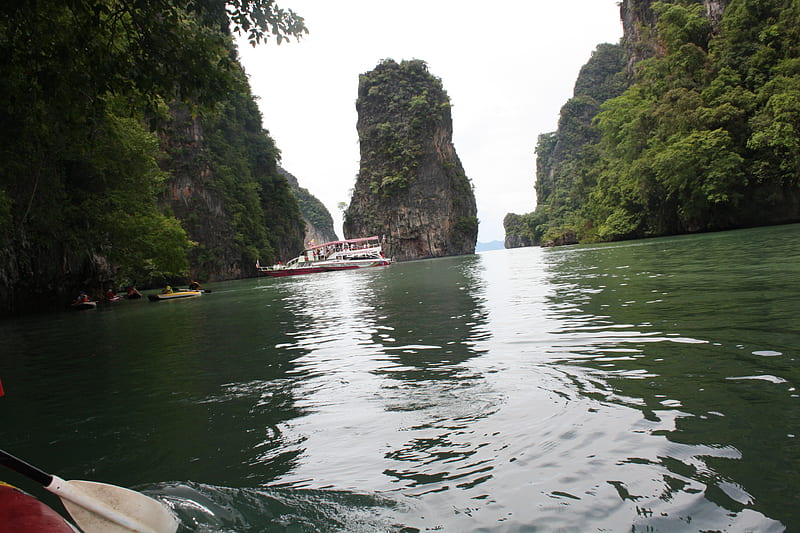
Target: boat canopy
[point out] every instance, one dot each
(360, 240)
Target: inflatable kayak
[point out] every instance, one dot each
(84, 305)
(22, 513)
(173, 295)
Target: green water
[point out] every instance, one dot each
(639, 386)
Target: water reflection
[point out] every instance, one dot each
(432, 317)
(426, 379)
(384, 376)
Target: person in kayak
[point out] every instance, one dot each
(194, 286)
(167, 290)
(133, 293)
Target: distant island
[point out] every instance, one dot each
(488, 246)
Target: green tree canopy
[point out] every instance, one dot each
(706, 136)
(84, 82)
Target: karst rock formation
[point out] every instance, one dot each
(411, 188)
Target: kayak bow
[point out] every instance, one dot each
(99, 507)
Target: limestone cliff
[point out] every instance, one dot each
(319, 222)
(560, 154)
(704, 137)
(226, 190)
(411, 187)
(191, 196)
(564, 155)
(639, 21)
(714, 11)
(638, 31)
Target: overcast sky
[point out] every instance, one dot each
(507, 65)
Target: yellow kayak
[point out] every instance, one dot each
(174, 295)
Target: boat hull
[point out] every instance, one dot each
(327, 266)
(353, 264)
(22, 513)
(283, 272)
(78, 306)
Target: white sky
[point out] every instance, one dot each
(507, 65)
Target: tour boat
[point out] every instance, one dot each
(182, 293)
(332, 256)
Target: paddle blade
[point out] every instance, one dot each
(102, 508)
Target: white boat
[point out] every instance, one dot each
(331, 256)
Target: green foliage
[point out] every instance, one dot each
(315, 212)
(466, 227)
(680, 24)
(602, 77)
(776, 132)
(567, 160)
(81, 83)
(411, 102)
(711, 121)
(262, 212)
(119, 204)
(262, 18)
(524, 230)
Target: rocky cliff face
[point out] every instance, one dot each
(564, 155)
(411, 187)
(639, 21)
(515, 238)
(714, 10)
(638, 31)
(319, 222)
(237, 210)
(193, 200)
(559, 154)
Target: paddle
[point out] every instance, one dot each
(98, 507)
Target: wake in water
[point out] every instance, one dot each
(212, 509)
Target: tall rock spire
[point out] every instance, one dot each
(411, 187)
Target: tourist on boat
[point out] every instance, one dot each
(82, 297)
(110, 294)
(194, 286)
(167, 290)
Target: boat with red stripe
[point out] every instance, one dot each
(349, 254)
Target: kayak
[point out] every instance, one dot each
(22, 513)
(173, 295)
(84, 305)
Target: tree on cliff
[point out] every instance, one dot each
(79, 178)
(411, 187)
(706, 137)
